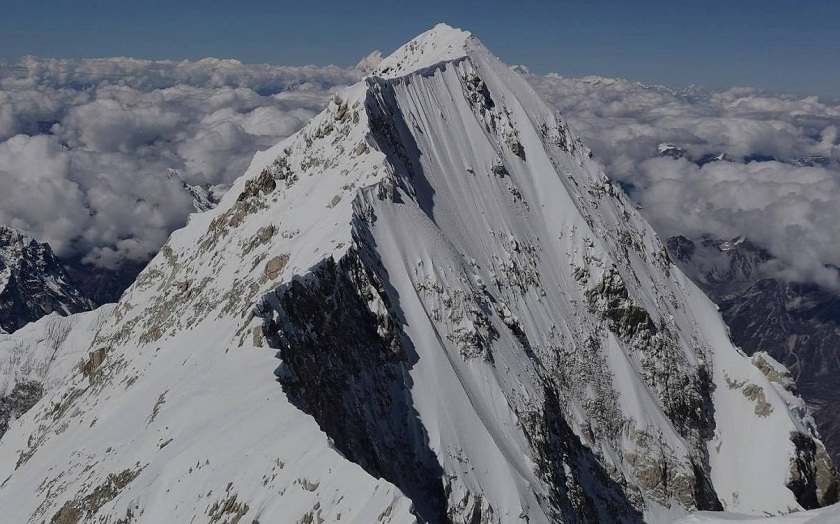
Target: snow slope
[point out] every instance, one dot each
(428, 305)
(830, 515)
(38, 358)
(45, 351)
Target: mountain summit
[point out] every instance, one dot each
(429, 305)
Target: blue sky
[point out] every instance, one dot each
(778, 45)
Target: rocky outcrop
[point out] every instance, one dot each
(33, 282)
(813, 477)
(23, 396)
(344, 361)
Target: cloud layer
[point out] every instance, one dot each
(778, 182)
(94, 154)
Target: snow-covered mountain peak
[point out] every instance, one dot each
(442, 43)
(369, 63)
(13, 242)
(429, 305)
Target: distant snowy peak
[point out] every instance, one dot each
(670, 150)
(14, 243)
(369, 63)
(33, 282)
(440, 44)
(204, 197)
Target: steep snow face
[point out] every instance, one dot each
(798, 324)
(527, 276)
(38, 358)
(428, 305)
(33, 283)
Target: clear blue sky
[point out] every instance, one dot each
(778, 45)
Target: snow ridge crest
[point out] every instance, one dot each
(442, 43)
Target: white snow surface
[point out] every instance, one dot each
(829, 515)
(369, 63)
(504, 204)
(46, 351)
(440, 44)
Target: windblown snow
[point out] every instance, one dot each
(428, 305)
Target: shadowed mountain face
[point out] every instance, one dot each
(101, 285)
(798, 324)
(33, 282)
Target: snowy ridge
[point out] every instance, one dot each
(428, 305)
(830, 515)
(437, 45)
(183, 415)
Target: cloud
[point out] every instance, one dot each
(150, 75)
(779, 182)
(94, 153)
(38, 194)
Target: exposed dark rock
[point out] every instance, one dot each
(88, 505)
(588, 494)
(263, 184)
(33, 282)
(813, 478)
(68, 514)
(91, 365)
(348, 368)
(685, 394)
(681, 248)
(25, 394)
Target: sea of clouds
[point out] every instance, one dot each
(94, 154)
(779, 182)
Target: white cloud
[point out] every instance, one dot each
(767, 191)
(87, 146)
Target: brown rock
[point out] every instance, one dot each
(274, 266)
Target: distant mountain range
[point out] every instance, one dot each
(673, 151)
(798, 324)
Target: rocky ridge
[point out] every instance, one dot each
(33, 282)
